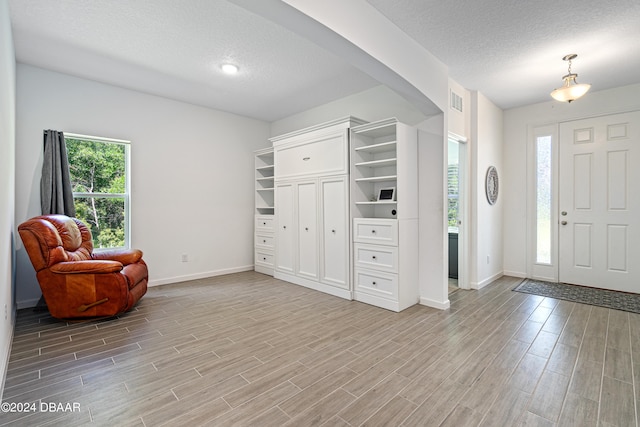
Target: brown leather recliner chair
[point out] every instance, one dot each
(75, 281)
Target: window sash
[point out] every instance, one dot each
(127, 181)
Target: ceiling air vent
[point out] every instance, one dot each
(456, 101)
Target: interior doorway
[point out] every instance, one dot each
(457, 215)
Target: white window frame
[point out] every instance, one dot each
(127, 182)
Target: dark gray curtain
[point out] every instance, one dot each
(56, 196)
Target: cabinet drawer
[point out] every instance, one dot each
(376, 231)
(264, 223)
(264, 258)
(321, 156)
(265, 241)
(383, 258)
(377, 283)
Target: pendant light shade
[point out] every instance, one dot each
(571, 89)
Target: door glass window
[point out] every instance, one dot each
(543, 199)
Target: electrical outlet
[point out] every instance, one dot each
(185, 258)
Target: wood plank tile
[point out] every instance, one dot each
(255, 407)
(549, 395)
(392, 413)
(563, 359)
(251, 390)
(507, 409)
(578, 411)
(617, 364)
(435, 409)
(322, 411)
(362, 408)
(315, 392)
(528, 373)
(461, 416)
(587, 379)
(369, 378)
(617, 404)
(227, 351)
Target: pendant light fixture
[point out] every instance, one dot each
(571, 89)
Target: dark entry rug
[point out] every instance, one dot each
(593, 296)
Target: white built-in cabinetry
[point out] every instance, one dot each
(264, 240)
(385, 232)
(312, 237)
(320, 222)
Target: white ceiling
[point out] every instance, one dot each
(511, 51)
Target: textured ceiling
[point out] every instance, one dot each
(511, 51)
(174, 49)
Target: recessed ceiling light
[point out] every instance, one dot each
(229, 68)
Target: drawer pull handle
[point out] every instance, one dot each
(306, 229)
(284, 226)
(306, 158)
(374, 257)
(264, 241)
(264, 223)
(333, 231)
(373, 231)
(373, 283)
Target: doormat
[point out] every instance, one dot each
(593, 296)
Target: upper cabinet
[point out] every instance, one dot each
(321, 150)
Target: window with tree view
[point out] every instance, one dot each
(100, 183)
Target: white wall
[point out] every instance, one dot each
(432, 191)
(486, 149)
(373, 104)
(459, 122)
(7, 187)
(517, 125)
(192, 172)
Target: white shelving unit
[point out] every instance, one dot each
(385, 233)
(264, 241)
(264, 175)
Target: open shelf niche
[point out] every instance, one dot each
(264, 176)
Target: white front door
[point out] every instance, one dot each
(599, 202)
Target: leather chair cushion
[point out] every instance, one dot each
(135, 273)
(91, 267)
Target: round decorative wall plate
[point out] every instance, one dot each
(491, 184)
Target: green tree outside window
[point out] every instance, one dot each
(99, 183)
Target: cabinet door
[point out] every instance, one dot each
(285, 232)
(307, 230)
(335, 232)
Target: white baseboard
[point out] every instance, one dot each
(515, 274)
(485, 282)
(440, 305)
(204, 275)
(316, 286)
(27, 303)
(4, 360)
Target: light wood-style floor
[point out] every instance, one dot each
(246, 349)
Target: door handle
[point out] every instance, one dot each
(564, 223)
(564, 213)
